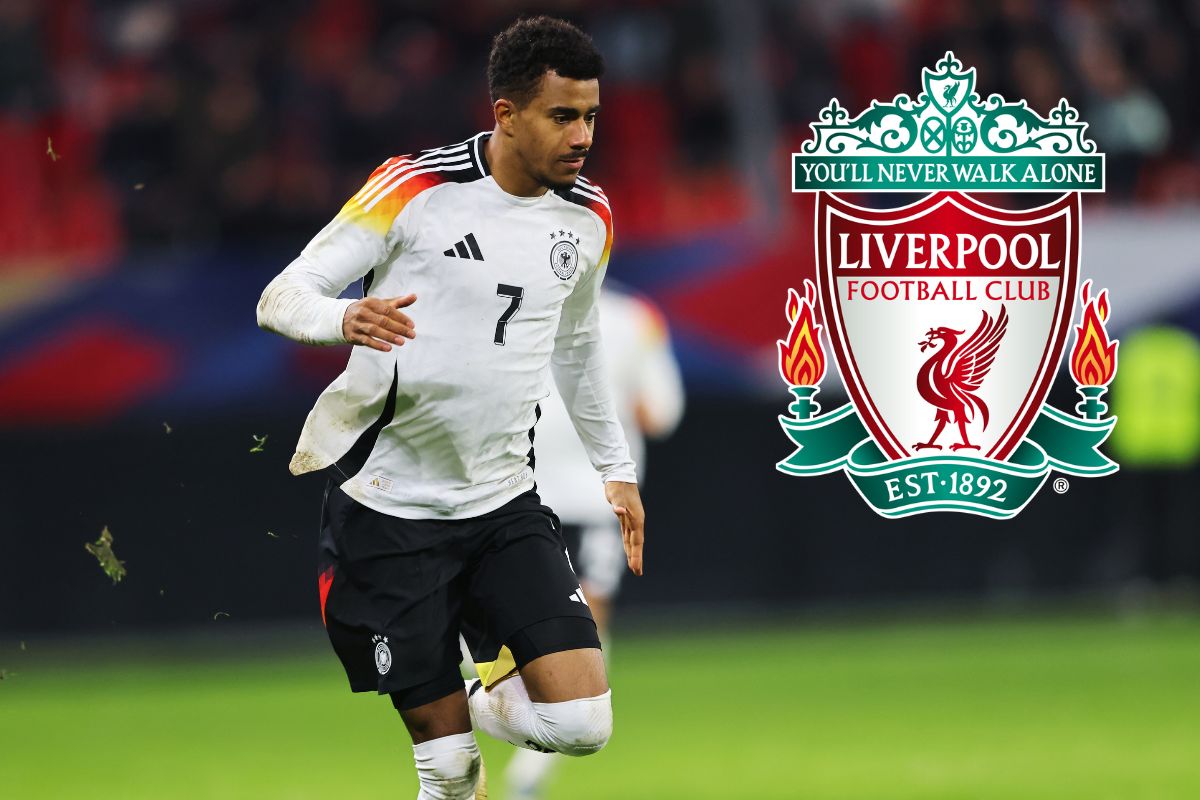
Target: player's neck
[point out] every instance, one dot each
(507, 171)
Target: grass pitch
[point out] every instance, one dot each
(1046, 708)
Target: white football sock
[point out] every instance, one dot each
(448, 767)
(574, 727)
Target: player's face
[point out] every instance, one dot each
(554, 131)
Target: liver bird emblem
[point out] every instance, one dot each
(950, 379)
(949, 93)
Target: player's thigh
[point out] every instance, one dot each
(445, 716)
(566, 675)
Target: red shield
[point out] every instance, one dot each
(948, 317)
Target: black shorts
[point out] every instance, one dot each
(396, 593)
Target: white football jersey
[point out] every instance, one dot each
(506, 291)
(647, 389)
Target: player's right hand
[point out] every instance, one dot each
(377, 322)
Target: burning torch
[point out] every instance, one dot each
(801, 359)
(1094, 356)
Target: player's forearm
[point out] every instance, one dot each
(301, 306)
(581, 379)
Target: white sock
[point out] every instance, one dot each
(527, 770)
(574, 727)
(448, 767)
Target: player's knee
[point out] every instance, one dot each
(448, 768)
(577, 727)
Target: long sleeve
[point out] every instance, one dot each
(302, 301)
(302, 304)
(582, 379)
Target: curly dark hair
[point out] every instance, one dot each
(530, 47)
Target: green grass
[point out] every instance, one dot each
(1055, 709)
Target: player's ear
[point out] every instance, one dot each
(504, 110)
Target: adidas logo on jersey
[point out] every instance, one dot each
(466, 247)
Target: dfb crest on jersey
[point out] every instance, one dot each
(564, 257)
(948, 317)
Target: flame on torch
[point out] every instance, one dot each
(801, 359)
(1094, 357)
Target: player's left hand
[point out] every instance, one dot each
(627, 505)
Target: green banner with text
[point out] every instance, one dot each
(973, 484)
(992, 173)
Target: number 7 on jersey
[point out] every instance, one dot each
(515, 293)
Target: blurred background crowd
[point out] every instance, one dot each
(180, 121)
(162, 159)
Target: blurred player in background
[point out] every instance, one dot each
(648, 391)
(431, 522)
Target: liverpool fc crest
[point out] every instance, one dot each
(948, 317)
